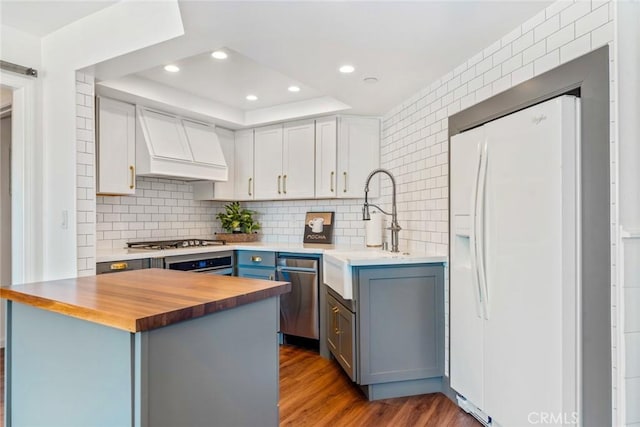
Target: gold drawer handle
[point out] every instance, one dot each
(331, 180)
(119, 266)
(133, 177)
(256, 258)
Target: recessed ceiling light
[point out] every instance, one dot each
(370, 80)
(172, 68)
(346, 69)
(220, 54)
(294, 89)
(252, 98)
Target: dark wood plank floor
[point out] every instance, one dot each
(315, 392)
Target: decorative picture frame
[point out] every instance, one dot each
(318, 227)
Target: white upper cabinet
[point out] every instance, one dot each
(243, 165)
(285, 161)
(298, 160)
(116, 147)
(326, 157)
(358, 155)
(268, 162)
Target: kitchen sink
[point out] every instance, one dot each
(338, 265)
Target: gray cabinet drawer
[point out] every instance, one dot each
(257, 273)
(115, 266)
(257, 258)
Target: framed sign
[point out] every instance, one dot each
(318, 227)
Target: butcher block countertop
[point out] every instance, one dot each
(142, 300)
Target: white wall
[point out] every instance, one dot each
(114, 31)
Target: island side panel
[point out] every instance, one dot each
(66, 372)
(216, 370)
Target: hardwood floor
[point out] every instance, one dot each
(315, 392)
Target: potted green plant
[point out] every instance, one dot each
(238, 223)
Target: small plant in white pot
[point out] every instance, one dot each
(238, 223)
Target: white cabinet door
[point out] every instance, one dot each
(268, 162)
(358, 155)
(243, 164)
(116, 153)
(298, 160)
(326, 157)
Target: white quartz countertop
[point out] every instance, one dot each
(124, 254)
(363, 257)
(355, 256)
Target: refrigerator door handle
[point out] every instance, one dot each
(479, 228)
(473, 252)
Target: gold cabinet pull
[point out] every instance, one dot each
(119, 266)
(345, 182)
(335, 310)
(331, 180)
(249, 189)
(256, 258)
(132, 169)
(279, 179)
(284, 184)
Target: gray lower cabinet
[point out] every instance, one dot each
(256, 264)
(390, 338)
(341, 335)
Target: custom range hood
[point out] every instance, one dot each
(170, 146)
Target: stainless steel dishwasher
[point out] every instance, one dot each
(299, 308)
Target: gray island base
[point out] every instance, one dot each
(218, 369)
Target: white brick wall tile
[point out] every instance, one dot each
(548, 27)
(575, 11)
(513, 35)
(501, 84)
(547, 62)
(534, 52)
(557, 7)
(602, 35)
(562, 37)
(512, 64)
(494, 47)
(523, 42)
(502, 55)
(593, 20)
(576, 48)
(484, 65)
(492, 74)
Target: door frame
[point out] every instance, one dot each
(26, 180)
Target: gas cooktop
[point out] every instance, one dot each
(174, 244)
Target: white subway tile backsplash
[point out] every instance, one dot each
(576, 48)
(534, 52)
(593, 20)
(575, 11)
(547, 28)
(547, 62)
(560, 38)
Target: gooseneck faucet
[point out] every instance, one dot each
(395, 227)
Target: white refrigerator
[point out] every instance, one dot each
(514, 267)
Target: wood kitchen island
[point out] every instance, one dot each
(143, 348)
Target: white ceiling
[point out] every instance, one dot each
(43, 17)
(405, 45)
